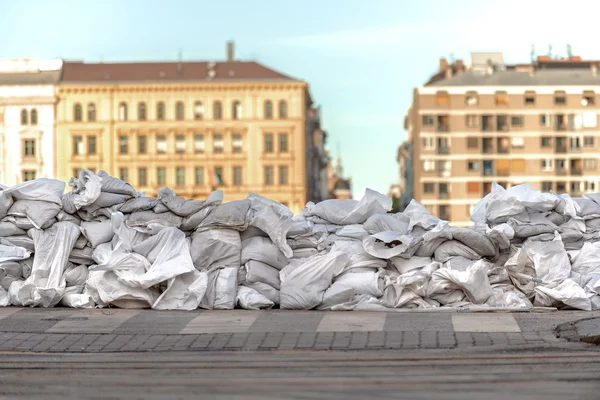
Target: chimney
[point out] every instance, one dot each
(230, 50)
(490, 67)
(443, 64)
(449, 73)
(460, 66)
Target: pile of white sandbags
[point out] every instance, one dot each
(103, 244)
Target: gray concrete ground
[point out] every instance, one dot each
(143, 354)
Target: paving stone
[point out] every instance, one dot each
(323, 340)
(31, 342)
(289, 341)
(82, 343)
(393, 340)
(99, 343)
(498, 338)
(410, 339)
(481, 339)
(254, 340)
(184, 342)
(359, 340)
(202, 341)
(306, 340)
(272, 340)
(152, 342)
(49, 342)
(464, 338)
(237, 340)
(66, 342)
(219, 341)
(168, 343)
(428, 340)
(127, 342)
(376, 339)
(341, 340)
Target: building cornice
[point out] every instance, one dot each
(518, 90)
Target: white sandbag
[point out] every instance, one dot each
(474, 281)
(193, 221)
(369, 283)
(357, 256)
(337, 293)
(303, 286)
(151, 223)
(114, 185)
(354, 231)
(221, 290)
(187, 207)
(478, 242)
(304, 253)
(4, 298)
(216, 248)
(509, 298)
(97, 232)
(86, 189)
(77, 300)
(588, 259)
(11, 268)
(8, 229)
(13, 253)
(454, 248)
(588, 208)
(432, 238)
(81, 242)
(46, 284)
(250, 299)
(301, 227)
(138, 204)
(38, 212)
(252, 231)
(257, 271)
(404, 265)
(231, 215)
(63, 216)
(264, 250)
(76, 276)
(387, 222)
(268, 291)
(390, 244)
(82, 256)
(304, 242)
(567, 292)
(23, 241)
(41, 189)
(273, 218)
(420, 217)
(550, 260)
(106, 288)
(347, 211)
(184, 292)
(6, 201)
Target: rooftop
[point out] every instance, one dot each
(30, 78)
(170, 72)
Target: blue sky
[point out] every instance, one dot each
(361, 58)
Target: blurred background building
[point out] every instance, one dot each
(483, 122)
(27, 119)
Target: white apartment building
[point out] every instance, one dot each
(27, 119)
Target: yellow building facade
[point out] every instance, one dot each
(192, 127)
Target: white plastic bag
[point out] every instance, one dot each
(347, 212)
(264, 250)
(250, 299)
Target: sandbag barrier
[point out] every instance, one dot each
(104, 244)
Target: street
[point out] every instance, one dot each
(145, 354)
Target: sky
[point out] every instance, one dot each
(361, 58)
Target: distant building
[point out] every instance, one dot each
(471, 125)
(339, 187)
(27, 109)
(193, 126)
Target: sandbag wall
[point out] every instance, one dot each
(104, 244)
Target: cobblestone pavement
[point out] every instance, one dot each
(586, 330)
(115, 330)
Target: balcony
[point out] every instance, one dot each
(443, 173)
(487, 149)
(443, 150)
(560, 146)
(442, 128)
(503, 150)
(443, 195)
(576, 171)
(561, 171)
(487, 172)
(503, 172)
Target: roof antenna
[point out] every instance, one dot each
(549, 51)
(180, 61)
(569, 51)
(532, 53)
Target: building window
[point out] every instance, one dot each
(428, 188)
(474, 187)
(34, 117)
(236, 110)
(161, 144)
(473, 165)
(472, 143)
(516, 121)
(160, 111)
(590, 119)
(428, 165)
(282, 109)
(443, 123)
(269, 143)
(217, 110)
(442, 98)
(546, 186)
(518, 165)
(237, 176)
(142, 144)
(179, 111)
(160, 175)
(123, 145)
(77, 145)
(180, 144)
(428, 143)
(142, 176)
(530, 98)
(219, 176)
(545, 120)
(237, 143)
(142, 111)
(268, 109)
(218, 143)
(180, 176)
(547, 164)
(91, 145)
(501, 98)
(517, 142)
(199, 175)
(28, 176)
(589, 164)
(588, 141)
(561, 187)
(472, 121)
(443, 190)
(588, 99)
(560, 164)
(198, 143)
(268, 175)
(283, 175)
(428, 120)
(91, 112)
(488, 167)
(29, 148)
(123, 174)
(77, 113)
(471, 98)
(283, 142)
(24, 117)
(546, 141)
(502, 123)
(198, 111)
(122, 112)
(560, 98)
